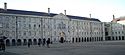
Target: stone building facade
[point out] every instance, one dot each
(114, 31)
(21, 27)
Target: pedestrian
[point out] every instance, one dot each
(44, 41)
(39, 44)
(48, 42)
(28, 44)
(3, 46)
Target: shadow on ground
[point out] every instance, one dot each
(8, 53)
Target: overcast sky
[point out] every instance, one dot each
(100, 9)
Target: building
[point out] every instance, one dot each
(21, 27)
(114, 31)
(120, 20)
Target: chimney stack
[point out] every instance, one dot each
(113, 17)
(65, 12)
(90, 15)
(5, 6)
(48, 11)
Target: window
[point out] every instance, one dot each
(29, 33)
(29, 26)
(24, 33)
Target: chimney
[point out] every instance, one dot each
(48, 11)
(65, 12)
(113, 17)
(90, 15)
(5, 6)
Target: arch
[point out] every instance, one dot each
(82, 39)
(122, 37)
(7, 42)
(76, 39)
(87, 39)
(116, 38)
(95, 39)
(19, 42)
(79, 39)
(90, 39)
(101, 38)
(30, 41)
(113, 38)
(61, 40)
(119, 37)
(24, 42)
(34, 42)
(13, 42)
(39, 40)
(73, 40)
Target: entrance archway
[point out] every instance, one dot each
(62, 35)
(61, 40)
(73, 40)
(7, 42)
(34, 41)
(30, 41)
(19, 42)
(82, 39)
(13, 42)
(76, 39)
(39, 40)
(24, 42)
(79, 39)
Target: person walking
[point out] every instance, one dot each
(44, 41)
(28, 44)
(39, 44)
(48, 42)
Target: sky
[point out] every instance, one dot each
(100, 9)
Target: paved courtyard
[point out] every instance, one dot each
(83, 48)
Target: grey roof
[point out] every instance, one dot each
(23, 12)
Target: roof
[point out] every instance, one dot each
(23, 12)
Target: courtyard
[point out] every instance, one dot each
(83, 48)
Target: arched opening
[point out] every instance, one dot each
(112, 38)
(30, 41)
(13, 42)
(116, 38)
(82, 39)
(7, 42)
(34, 42)
(119, 37)
(39, 40)
(76, 39)
(87, 39)
(24, 42)
(61, 40)
(73, 40)
(108, 38)
(79, 40)
(101, 38)
(122, 37)
(62, 36)
(90, 39)
(97, 38)
(19, 42)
